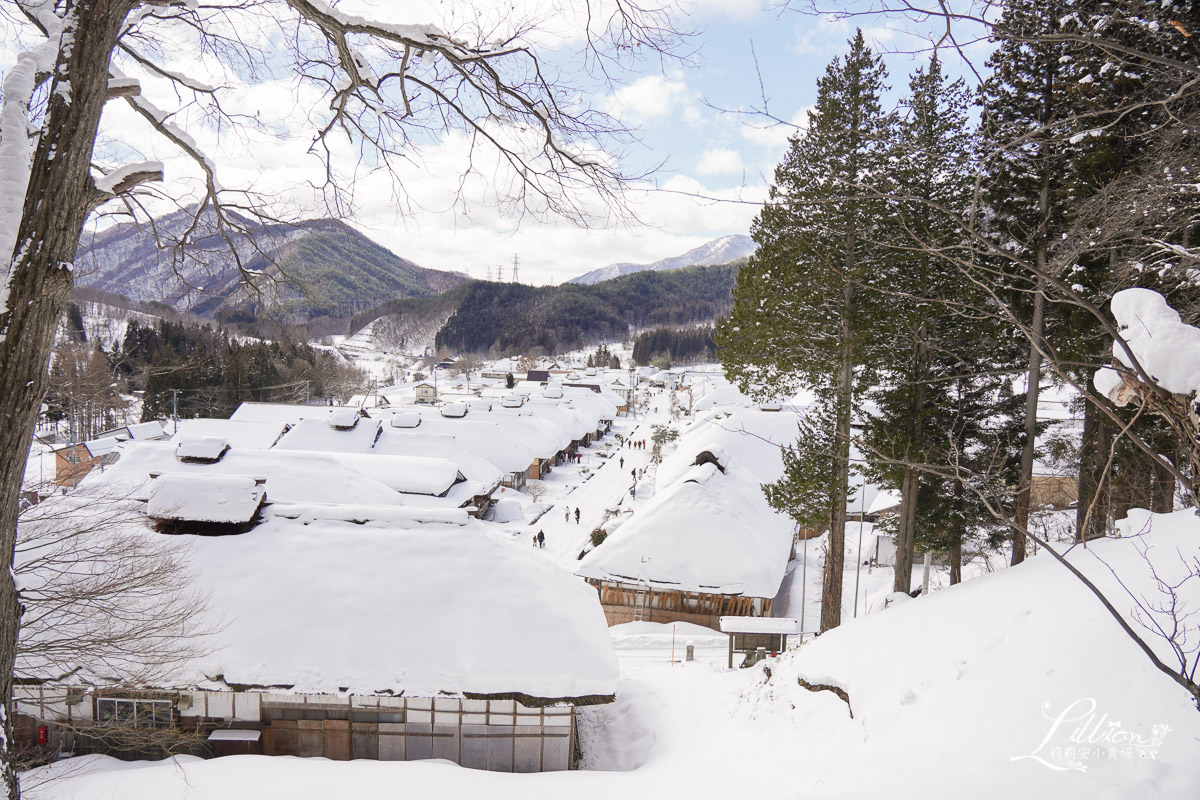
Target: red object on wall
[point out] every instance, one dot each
(43, 734)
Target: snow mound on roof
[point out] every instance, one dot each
(205, 498)
(344, 418)
(406, 419)
(434, 608)
(455, 410)
(717, 536)
(201, 448)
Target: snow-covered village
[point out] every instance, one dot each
(592, 398)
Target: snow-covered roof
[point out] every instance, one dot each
(494, 438)
(406, 474)
(409, 442)
(293, 476)
(455, 410)
(326, 606)
(320, 436)
(749, 436)
(344, 418)
(251, 435)
(282, 412)
(788, 627)
(145, 430)
(200, 448)
(405, 419)
(513, 400)
(708, 531)
(205, 498)
(883, 501)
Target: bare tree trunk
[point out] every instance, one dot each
(956, 562)
(1094, 483)
(56, 206)
(831, 588)
(1162, 497)
(1033, 377)
(906, 539)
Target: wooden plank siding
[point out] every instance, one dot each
(701, 608)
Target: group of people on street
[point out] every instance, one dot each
(567, 515)
(540, 540)
(575, 457)
(636, 444)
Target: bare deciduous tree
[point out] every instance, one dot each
(107, 605)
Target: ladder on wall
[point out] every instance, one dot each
(639, 602)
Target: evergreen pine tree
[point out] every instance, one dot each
(797, 318)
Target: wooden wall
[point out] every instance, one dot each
(619, 600)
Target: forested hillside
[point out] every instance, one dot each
(508, 317)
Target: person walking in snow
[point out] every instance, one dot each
(541, 539)
(622, 462)
(567, 514)
(633, 474)
(576, 516)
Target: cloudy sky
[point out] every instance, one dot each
(706, 158)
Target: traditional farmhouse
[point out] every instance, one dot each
(705, 546)
(354, 638)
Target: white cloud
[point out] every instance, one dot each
(720, 161)
(653, 97)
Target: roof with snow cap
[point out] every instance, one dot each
(200, 448)
(205, 498)
(252, 435)
(314, 605)
(709, 531)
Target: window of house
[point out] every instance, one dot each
(130, 712)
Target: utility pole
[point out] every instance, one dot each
(516, 268)
(175, 409)
(489, 273)
(500, 274)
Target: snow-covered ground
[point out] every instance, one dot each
(1014, 684)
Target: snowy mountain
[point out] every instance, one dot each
(718, 251)
(321, 267)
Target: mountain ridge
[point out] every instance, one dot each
(319, 267)
(722, 250)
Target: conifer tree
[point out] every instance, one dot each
(1026, 111)
(797, 318)
(938, 394)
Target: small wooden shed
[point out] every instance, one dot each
(748, 635)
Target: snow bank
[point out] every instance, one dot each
(985, 683)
